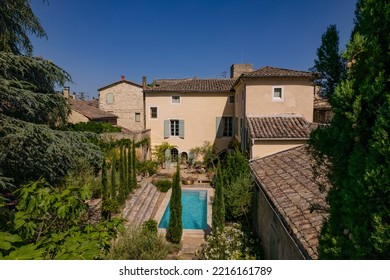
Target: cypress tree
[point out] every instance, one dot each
(113, 176)
(175, 225)
(134, 173)
(121, 174)
(329, 63)
(129, 168)
(218, 216)
(356, 144)
(105, 190)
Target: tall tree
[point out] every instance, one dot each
(356, 145)
(329, 63)
(31, 146)
(17, 22)
(133, 165)
(113, 176)
(218, 216)
(175, 225)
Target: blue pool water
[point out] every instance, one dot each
(194, 213)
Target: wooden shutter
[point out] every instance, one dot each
(167, 126)
(219, 127)
(181, 129)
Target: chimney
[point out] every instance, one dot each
(74, 95)
(144, 82)
(237, 69)
(65, 92)
(122, 78)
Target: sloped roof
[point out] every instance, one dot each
(289, 126)
(322, 104)
(196, 85)
(274, 72)
(90, 112)
(119, 82)
(287, 180)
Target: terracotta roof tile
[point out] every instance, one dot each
(196, 85)
(321, 104)
(291, 198)
(119, 82)
(273, 72)
(278, 127)
(90, 112)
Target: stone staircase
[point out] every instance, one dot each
(140, 205)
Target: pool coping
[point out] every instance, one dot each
(188, 232)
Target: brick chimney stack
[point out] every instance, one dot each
(237, 69)
(122, 78)
(144, 82)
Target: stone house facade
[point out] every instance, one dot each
(125, 100)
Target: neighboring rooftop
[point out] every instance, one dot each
(196, 85)
(90, 112)
(289, 126)
(322, 103)
(272, 72)
(164, 82)
(287, 180)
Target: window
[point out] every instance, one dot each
(231, 99)
(137, 117)
(174, 155)
(277, 94)
(175, 99)
(110, 98)
(153, 112)
(174, 127)
(227, 126)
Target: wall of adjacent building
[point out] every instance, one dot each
(199, 112)
(298, 97)
(276, 241)
(128, 100)
(76, 117)
(262, 148)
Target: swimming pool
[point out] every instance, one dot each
(194, 213)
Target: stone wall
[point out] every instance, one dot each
(127, 101)
(277, 242)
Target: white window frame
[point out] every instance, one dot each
(278, 99)
(150, 113)
(178, 99)
(174, 127)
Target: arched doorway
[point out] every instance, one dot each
(184, 157)
(174, 155)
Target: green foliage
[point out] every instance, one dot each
(95, 127)
(113, 176)
(159, 152)
(207, 152)
(20, 23)
(238, 186)
(218, 215)
(163, 185)
(133, 164)
(53, 222)
(147, 167)
(150, 226)
(329, 63)
(139, 244)
(231, 243)
(175, 225)
(356, 145)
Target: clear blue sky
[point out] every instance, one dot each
(97, 41)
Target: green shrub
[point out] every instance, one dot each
(147, 167)
(150, 226)
(164, 185)
(139, 244)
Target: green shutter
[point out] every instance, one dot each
(181, 129)
(167, 126)
(219, 127)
